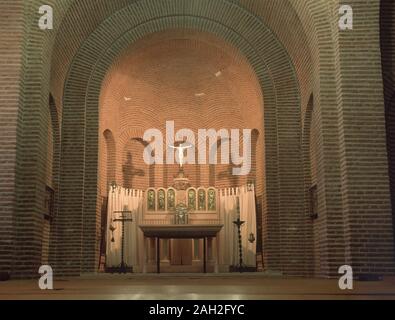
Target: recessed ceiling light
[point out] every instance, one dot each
(218, 74)
(127, 99)
(200, 94)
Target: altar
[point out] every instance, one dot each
(181, 224)
(159, 232)
(181, 228)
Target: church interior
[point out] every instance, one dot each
(309, 103)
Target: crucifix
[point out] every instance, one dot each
(180, 152)
(125, 216)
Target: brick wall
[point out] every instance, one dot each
(11, 53)
(387, 37)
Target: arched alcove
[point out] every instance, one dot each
(186, 77)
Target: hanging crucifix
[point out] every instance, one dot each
(181, 147)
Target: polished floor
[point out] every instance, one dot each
(195, 286)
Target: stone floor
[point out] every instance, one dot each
(195, 286)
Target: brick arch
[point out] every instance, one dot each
(298, 24)
(276, 76)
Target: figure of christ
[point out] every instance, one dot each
(180, 151)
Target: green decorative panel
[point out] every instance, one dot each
(191, 199)
(212, 200)
(202, 199)
(151, 200)
(171, 199)
(161, 200)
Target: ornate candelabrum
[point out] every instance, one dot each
(125, 216)
(238, 224)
